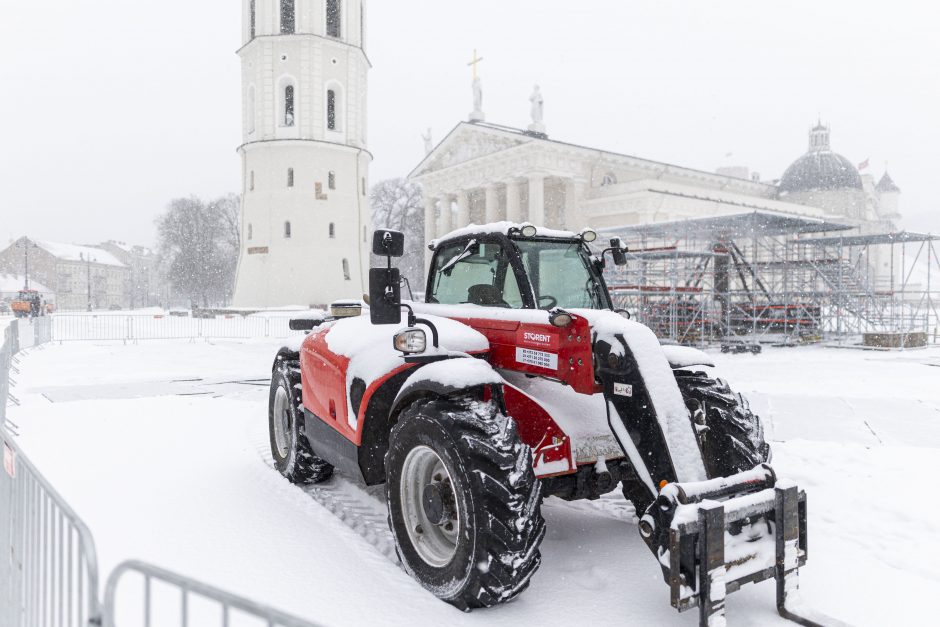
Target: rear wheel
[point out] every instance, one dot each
(734, 439)
(464, 502)
(293, 456)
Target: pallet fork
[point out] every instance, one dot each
(713, 547)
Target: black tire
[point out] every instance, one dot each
(293, 458)
(498, 524)
(734, 441)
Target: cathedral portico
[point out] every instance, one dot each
(534, 197)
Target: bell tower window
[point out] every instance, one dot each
(346, 274)
(252, 18)
(334, 18)
(289, 105)
(332, 231)
(331, 180)
(287, 230)
(331, 109)
(288, 19)
(290, 177)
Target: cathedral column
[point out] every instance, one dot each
(492, 204)
(430, 221)
(463, 208)
(430, 227)
(537, 199)
(445, 225)
(513, 201)
(572, 216)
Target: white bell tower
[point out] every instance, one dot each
(305, 212)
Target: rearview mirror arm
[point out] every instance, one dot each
(414, 320)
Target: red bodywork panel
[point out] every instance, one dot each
(537, 429)
(564, 354)
(323, 374)
(540, 349)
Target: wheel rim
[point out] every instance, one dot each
(282, 422)
(436, 544)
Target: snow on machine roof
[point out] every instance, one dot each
(503, 228)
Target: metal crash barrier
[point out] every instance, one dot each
(48, 563)
(226, 603)
(48, 567)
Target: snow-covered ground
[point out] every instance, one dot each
(162, 448)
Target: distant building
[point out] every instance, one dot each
(81, 277)
(144, 285)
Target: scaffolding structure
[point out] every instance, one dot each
(765, 276)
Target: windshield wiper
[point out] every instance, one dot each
(453, 262)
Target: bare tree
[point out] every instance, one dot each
(230, 210)
(399, 204)
(199, 247)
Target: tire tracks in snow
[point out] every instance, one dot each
(363, 510)
(360, 508)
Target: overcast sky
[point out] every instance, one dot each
(113, 107)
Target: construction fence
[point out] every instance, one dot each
(49, 574)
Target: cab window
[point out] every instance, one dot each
(476, 273)
(559, 274)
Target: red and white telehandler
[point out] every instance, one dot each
(516, 380)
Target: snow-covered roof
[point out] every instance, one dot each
(10, 283)
(75, 252)
(131, 248)
(901, 237)
(500, 227)
(748, 224)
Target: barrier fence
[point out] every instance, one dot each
(221, 605)
(48, 570)
(48, 563)
(69, 327)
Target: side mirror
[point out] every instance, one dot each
(387, 243)
(385, 295)
(618, 251)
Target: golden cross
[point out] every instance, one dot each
(474, 63)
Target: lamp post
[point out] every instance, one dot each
(88, 261)
(26, 244)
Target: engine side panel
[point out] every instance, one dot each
(553, 418)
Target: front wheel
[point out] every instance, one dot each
(464, 503)
(734, 439)
(293, 456)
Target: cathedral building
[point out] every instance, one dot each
(305, 164)
(485, 172)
